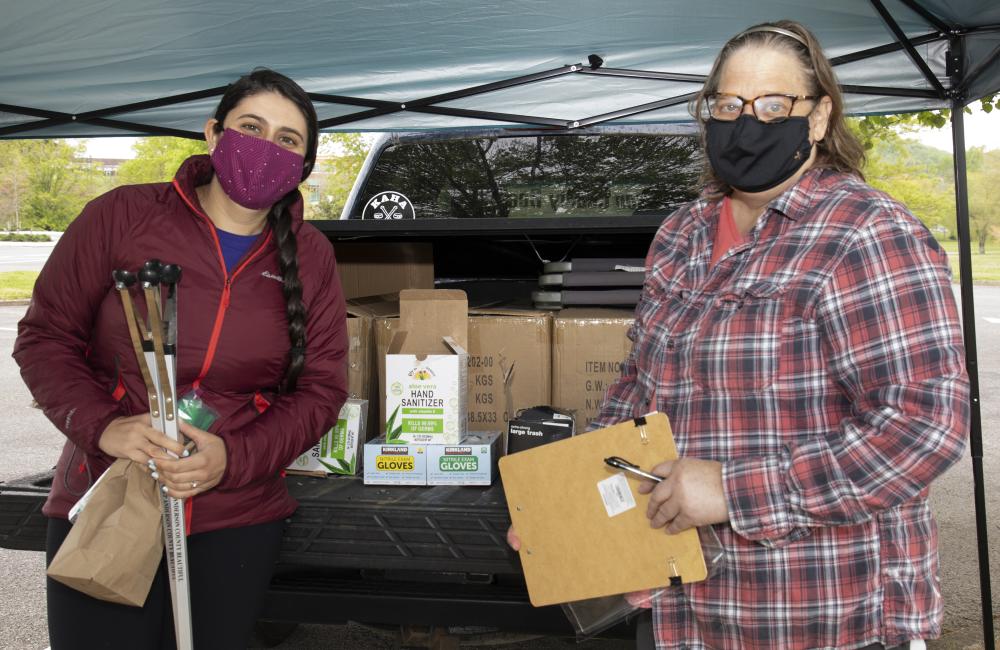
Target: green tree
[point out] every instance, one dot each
(49, 183)
(873, 128)
(157, 159)
(337, 172)
(920, 177)
(984, 211)
(13, 184)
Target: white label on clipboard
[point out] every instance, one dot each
(616, 494)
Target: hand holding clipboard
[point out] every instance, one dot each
(584, 531)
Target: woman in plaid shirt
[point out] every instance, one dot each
(799, 329)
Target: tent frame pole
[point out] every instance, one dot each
(55, 118)
(911, 51)
(431, 104)
(971, 355)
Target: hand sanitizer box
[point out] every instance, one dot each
(337, 452)
(426, 369)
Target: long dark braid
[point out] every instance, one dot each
(281, 221)
(280, 218)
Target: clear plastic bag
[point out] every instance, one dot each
(712, 549)
(595, 615)
(191, 408)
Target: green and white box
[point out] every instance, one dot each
(472, 462)
(338, 451)
(426, 369)
(394, 464)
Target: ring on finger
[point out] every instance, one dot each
(194, 485)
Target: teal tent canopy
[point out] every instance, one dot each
(110, 67)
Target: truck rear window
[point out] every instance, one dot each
(606, 175)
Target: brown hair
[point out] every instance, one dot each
(839, 149)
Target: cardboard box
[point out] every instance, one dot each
(426, 368)
(510, 365)
(384, 328)
(362, 376)
(588, 349)
(338, 451)
(360, 353)
(388, 267)
(471, 462)
(536, 426)
(394, 464)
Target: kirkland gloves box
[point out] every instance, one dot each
(337, 452)
(398, 463)
(426, 368)
(472, 462)
(536, 426)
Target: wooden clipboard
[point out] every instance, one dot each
(571, 547)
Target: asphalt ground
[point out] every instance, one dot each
(24, 256)
(31, 444)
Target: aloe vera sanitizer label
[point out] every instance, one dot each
(337, 451)
(425, 398)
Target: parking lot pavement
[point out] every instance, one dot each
(24, 256)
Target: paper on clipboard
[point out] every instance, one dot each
(579, 537)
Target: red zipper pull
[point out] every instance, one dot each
(225, 293)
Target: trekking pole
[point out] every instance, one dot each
(124, 280)
(150, 278)
(162, 326)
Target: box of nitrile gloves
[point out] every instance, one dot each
(337, 452)
(471, 462)
(395, 463)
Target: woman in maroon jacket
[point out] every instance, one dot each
(262, 341)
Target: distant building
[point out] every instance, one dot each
(107, 166)
(311, 190)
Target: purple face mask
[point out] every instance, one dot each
(255, 172)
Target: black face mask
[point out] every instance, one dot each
(752, 156)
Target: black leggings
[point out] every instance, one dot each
(229, 573)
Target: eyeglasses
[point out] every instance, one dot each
(766, 108)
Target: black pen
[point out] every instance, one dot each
(622, 464)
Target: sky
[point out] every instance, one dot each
(981, 129)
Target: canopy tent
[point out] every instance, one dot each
(126, 67)
(106, 67)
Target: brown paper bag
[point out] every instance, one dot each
(114, 548)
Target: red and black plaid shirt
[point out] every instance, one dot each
(821, 361)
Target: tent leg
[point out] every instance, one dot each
(972, 366)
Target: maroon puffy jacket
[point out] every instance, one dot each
(76, 356)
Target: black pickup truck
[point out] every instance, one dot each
(494, 206)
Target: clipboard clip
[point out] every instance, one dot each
(675, 577)
(640, 423)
